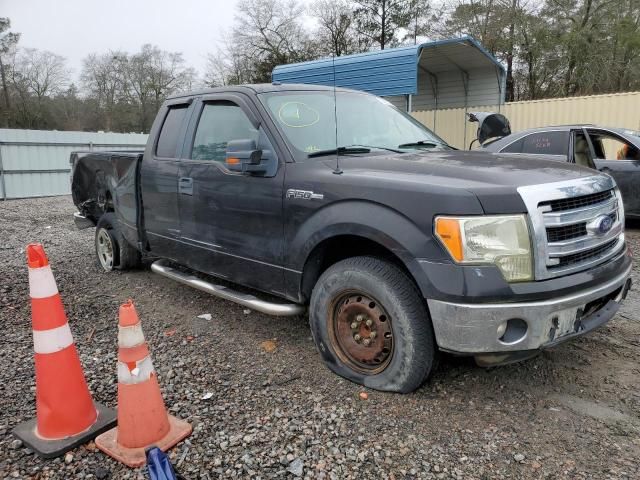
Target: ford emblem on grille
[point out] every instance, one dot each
(603, 224)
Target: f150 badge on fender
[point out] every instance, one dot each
(304, 194)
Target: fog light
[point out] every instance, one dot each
(515, 329)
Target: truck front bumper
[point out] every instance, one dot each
(500, 332)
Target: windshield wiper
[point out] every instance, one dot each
(422, 143)
(339, 150)
(394, 150)
(350, 149)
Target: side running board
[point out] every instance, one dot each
(278, 309)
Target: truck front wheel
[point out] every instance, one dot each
(112, 249)
(371, 325)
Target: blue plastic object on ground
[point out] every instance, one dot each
(159, 466)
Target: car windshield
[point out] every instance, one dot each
(308, 121)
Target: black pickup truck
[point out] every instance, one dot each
(336, 201)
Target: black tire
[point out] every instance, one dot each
(125, 256)
(390, 294)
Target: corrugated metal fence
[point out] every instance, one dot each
(615, 110)
(35, 163)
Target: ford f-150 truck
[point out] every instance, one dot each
(335, 201)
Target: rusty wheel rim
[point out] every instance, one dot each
(361, 332)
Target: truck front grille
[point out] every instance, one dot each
(558, 234)
(567, 220)
(584, 255)
(577, 202)
(567, 232)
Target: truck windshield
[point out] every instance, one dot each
(308, 121)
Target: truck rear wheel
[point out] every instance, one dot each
(112, 250)
(371, 325)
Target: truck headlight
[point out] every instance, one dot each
(502, 240)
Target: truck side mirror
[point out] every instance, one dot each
(243, 156)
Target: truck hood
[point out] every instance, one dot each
(493, 178)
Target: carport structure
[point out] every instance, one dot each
(451, 73)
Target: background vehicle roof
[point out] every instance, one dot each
(496, 145)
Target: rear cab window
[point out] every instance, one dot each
(167, 145)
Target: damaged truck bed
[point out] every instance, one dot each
(107, 182)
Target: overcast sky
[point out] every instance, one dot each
(75, 28)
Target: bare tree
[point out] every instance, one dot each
(268, 33)
(8, 42)
(336, 34)
(153, 75)
(36, 75)
(215, 74)
(68, 109)
(44, 73)
(104, 79)
(381, 21)
(231, 65)
(423, 16)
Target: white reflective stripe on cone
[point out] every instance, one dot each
(52, 340)
(130, 336)
(41, 282)
(141, 373)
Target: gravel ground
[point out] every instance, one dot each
(573, 412)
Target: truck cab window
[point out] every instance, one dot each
(220, 123)
(168, 140)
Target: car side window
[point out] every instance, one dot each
(220, 122)
(611, 147)
(515, 147)
(546, 143)
(168, 139)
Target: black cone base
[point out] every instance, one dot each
(54, 448)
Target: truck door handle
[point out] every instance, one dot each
(185, 185)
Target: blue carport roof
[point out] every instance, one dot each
(385, 72)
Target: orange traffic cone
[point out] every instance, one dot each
(66, 416)
(142, 418)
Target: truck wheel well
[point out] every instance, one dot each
(108, 203)
(335, 249)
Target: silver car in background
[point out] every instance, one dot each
(615, 151)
